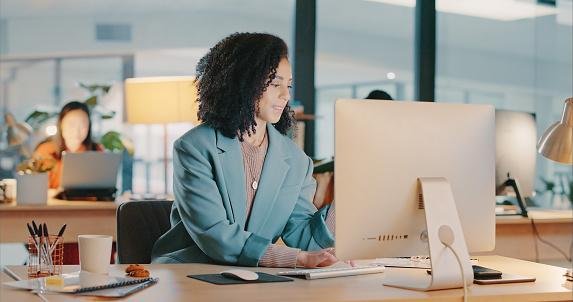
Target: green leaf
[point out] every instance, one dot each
(102, 112)
(84, 86)
(91, 101)
(549, 185)
(108, 115)
(37, 118)
(571, 192)
(92, 89)
(113, 141)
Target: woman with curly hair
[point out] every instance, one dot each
(240, 183)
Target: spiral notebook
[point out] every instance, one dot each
(86, 284)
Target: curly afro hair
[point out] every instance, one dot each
(232, 77)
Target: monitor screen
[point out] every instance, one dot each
(382, 148)
(515, 150)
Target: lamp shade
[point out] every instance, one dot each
(17, 132)
(557, 141)
(161, 100)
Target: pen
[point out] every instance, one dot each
(60, 234)
(33, 232)
(46, 233)
(62, 229)
(40, 234)
(47, 247)
(43, 244)
(40, 245)
(35, 227)
(32, 235)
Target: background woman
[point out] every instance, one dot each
(74, 135)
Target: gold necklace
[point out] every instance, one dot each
(255, 183)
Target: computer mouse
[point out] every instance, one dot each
(240, 274)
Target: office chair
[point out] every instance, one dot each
(139, 225)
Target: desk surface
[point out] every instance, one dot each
(175, 286)
(58, 205)
(81, 217)
(539, 215)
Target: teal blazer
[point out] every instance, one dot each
(208, 217)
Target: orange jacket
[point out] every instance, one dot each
(49, 149)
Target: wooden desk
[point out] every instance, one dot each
(175, 286)
(515, 237)
(81, 217)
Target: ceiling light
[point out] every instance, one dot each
(502, 10)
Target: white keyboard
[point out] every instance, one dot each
(319, 273)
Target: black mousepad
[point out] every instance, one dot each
(222, 280)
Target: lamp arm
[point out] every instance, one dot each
(511, 182)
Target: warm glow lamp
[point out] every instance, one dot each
(161, 100)
(557, 141)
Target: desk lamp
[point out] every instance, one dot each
(17, 133)
(557, 141)
(161, 100)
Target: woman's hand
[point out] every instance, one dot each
(315, 259)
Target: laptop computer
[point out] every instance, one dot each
(89, 175)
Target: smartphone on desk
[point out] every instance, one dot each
(506, 278)
(484, 273)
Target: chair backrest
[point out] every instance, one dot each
(139, 225)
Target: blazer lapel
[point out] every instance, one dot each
(233, 175)
(272, 177)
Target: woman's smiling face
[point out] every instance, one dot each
(276, 96)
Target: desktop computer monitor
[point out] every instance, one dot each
(515, 150)
(382, 148)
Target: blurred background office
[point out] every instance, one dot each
(513, 54)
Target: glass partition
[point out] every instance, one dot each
(515, 55)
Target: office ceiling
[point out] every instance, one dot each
(367, 28)
(350, 16)
(35, 8)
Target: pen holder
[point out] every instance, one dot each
(48, 260)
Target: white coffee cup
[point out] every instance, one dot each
(95, 253)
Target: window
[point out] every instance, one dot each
(361, 46)
(515, 55)
(166, 38)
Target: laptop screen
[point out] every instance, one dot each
(90, 170)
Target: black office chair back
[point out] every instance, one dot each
(139, 225)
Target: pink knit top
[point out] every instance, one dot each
(276, 255)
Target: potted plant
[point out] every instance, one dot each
(32, 181)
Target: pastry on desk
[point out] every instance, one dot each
(137, 270)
